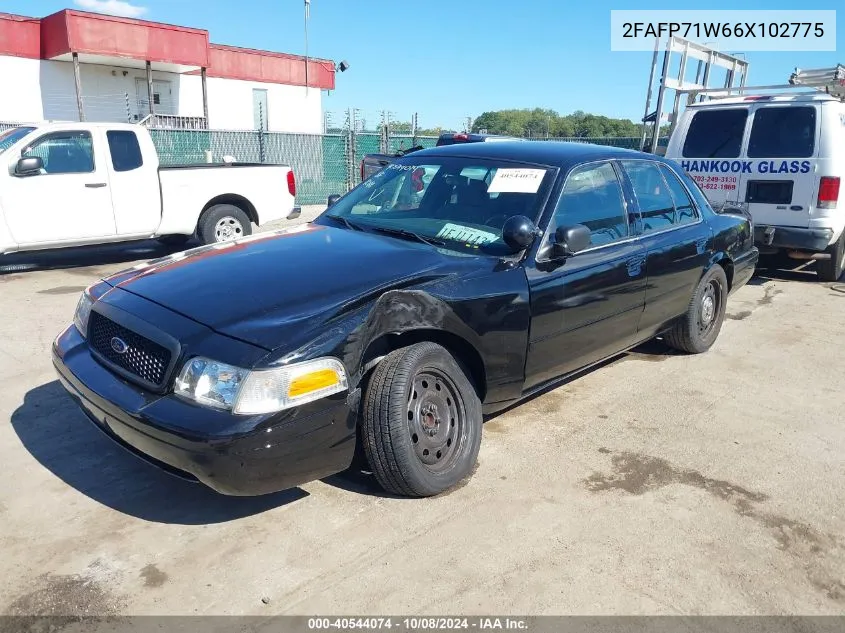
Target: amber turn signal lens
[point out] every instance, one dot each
(313, 381)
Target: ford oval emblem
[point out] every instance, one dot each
(119, 345)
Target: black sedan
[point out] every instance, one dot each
(454, 283)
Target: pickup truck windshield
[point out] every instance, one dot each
(10, 137)
(460, 203)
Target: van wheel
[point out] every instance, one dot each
(831, 269)
(699, 328)
(223, 223)
(421, 422)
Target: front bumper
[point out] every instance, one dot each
(774, 237)
(234, 455)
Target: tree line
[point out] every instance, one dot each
(531, 123)
(541, 123)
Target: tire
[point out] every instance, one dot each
(697, 330)
(421, 393)
(222, 223)
(174, 240)
(831, 269)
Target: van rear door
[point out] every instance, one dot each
(711, 149)
(780, 181)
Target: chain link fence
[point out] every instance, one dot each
(323, 163)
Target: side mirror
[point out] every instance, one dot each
(29, 166)
(570, 240)
(519, 232)
(332, 199)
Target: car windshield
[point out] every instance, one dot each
(456, 203)
(10, 137)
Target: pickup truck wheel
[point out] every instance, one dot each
(421, 422)
(698, 329)
(222, 223)
(831, 269)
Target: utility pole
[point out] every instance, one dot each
(385, 117)
(307, 15)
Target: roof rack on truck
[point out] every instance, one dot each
(830, 81)
(708, 59)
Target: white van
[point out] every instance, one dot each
(780, 157)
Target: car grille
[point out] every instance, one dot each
(143, 358)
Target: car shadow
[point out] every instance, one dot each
(59, 436)
(360, 479)
(86, 256)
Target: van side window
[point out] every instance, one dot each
(685, 212)
(657, 208)
(125, 150)
(64, 152)
(592, 196)
(715, 133)
(783, 132)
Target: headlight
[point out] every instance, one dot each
(263, 391)
(210, 383)
(83, 311)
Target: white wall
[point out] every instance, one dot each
(35, 90)
(20, 96)
(230, 106)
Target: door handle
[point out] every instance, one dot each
(95, 185)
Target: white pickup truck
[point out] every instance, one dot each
(71, 184)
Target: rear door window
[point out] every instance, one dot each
(783, 132)
(657, 208)
(715, 133)
(685, 212)
(125, 150)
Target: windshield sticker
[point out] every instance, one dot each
(466, 234)
(516, 181)
(399, 167)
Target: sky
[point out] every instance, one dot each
(451, 59)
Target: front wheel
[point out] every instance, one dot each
(223, 223)
(421, 422)
(698, 329)
(831, 269)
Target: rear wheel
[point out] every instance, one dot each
(831, 269)
(422, 422)
(223, 223)
(699, 328)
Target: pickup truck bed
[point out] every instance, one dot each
(72, 184)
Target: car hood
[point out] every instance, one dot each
(270, 288)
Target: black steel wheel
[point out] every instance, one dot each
(436, 419)
(421, 421)
(699, 327)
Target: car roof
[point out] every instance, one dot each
(548, 153)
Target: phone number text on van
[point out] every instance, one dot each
(746, 166)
